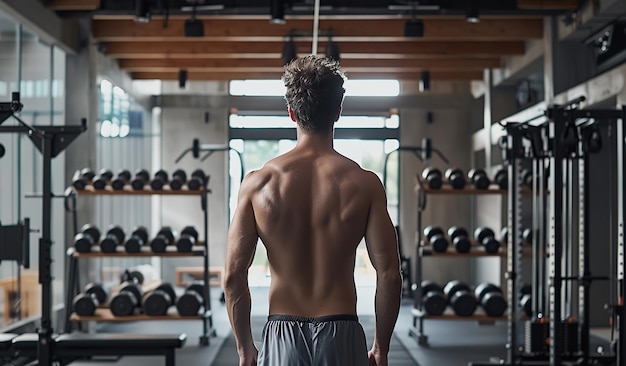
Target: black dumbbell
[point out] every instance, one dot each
(138, 238)
(526, 305)
(504, 234)
(164, 237)
(122, 179)
(433, 299)
(487, 238)
(502, 178)
(103, 178)
(188, 238)
(198, 180)
(479, 178)
(527, 178)
(86, 303)
(82, 178)
(126, 300)
(433, 177)
(435, 237)
(160, 179)
(527, 236)
(179, 177)
(142, 177)
(456, 178)
(139, 274)
(190, 303)
(114, 237)
(88, 237)
(490, 298)
(158, 301)
(460, 239)
(460, 298)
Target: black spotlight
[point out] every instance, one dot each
(277, 11)
(332, 50)
(2, 150)
(193, 26)
(289, 52)
(472, 11)
(414, 28)
(182, 78)
(425, 81)
(142, 11)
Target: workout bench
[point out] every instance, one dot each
(71, 347)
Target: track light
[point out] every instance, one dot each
(193, 26)
(472, 11)
(414, 28)
(332, 50)
(182, 78)
(142, 11)
(277, 11)
(425, 81)
(289, 52)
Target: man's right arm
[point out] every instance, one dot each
(382, 246)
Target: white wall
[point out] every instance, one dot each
(179, 127)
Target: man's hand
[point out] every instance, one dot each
(377, 358)
(248, 357)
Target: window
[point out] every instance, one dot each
(373, 88)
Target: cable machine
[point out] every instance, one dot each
(50, 141)
(559, 150)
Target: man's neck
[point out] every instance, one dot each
(315, 141)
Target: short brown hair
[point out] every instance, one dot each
(314, 91)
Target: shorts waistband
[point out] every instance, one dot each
(319, 319)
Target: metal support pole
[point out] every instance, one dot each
(584, 253)
(514, 244)
(556, 128)
(621, 349)
(44, 347)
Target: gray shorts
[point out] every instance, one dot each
(333, 340)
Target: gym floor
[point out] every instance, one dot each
(450, 343)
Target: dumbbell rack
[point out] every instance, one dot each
(103, 314)
(424, 250)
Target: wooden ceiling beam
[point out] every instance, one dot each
(224, 76)
(357, 29)
(227, 65)
(74, 5)
(547, 4)
(405, 49)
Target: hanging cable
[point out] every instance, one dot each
(316, 23)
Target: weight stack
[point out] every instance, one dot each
(570, 337)
(536, 337)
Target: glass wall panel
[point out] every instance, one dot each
(30, 67)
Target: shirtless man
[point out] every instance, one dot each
(311, 207)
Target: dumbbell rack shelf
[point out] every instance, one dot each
(201, 249)
(425, 250)
(105, 315)
(479, 316)
(89, 190)
(476, 251)
(196, 251)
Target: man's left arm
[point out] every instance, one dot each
(242, 241)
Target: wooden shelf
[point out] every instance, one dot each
(451, 252)
(105, 315)
(446, 188)
(479, 315)
(197, 250)
(468, 190)
(108, 191)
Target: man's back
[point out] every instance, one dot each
(311, 210)
(311, 207)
